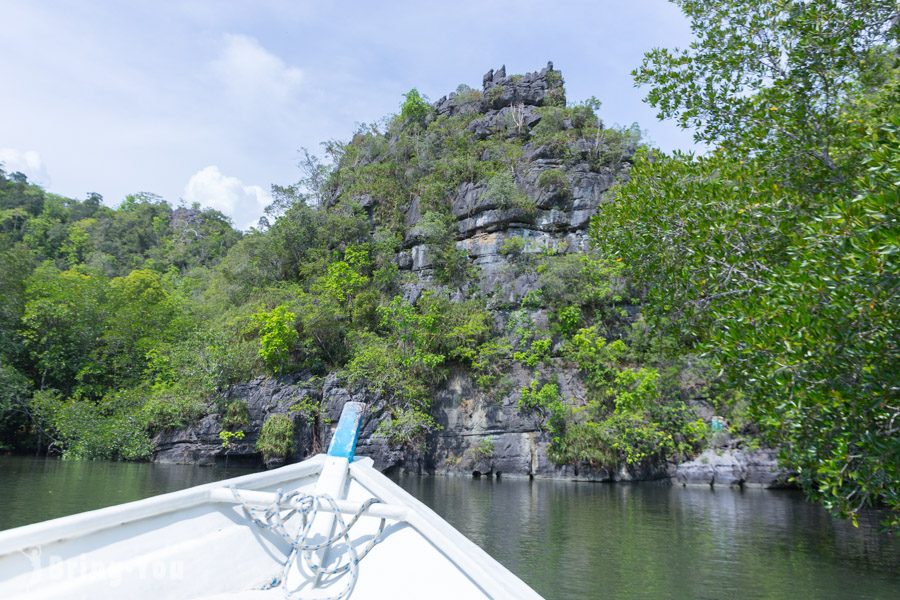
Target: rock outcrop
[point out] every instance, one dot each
(499, 91)
(733, 467)
(481, 432)
(564, 192)
(200, 443)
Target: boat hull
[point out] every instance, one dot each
(199, 543)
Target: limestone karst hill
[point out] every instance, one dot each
(488, 195)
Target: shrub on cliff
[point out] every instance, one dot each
(625, 420)
(554, 178)
(237, 415)
(276, 439)
(414, 108)
(503, 192)
(451, 264)
(407, 428)
(171, 406)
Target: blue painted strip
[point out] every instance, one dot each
(344, 441)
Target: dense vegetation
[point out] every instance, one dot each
(776, 253)
(764, 273)
(96, 305)
(114, 344)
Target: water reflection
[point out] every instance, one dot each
(36, 489)
(660, 541)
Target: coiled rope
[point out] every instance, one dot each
(285, 506)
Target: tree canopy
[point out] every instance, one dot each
(776, 252)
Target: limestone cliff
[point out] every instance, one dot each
(480, 431)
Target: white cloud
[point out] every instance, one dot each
(251, 74)
(28, 162)
(211, 188)
(154, 90)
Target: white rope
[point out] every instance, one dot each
(285, 506)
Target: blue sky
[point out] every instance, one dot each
(210, 101)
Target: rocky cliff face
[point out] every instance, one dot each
(563, 204)
(481, 432)
(200, 443)
(479, 436)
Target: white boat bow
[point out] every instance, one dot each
(329, 527)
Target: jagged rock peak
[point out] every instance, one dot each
(490, 76)
(539, 88)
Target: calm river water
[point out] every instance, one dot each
(567, 540)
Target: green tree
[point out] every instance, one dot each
(15, 392)
(142, 312)
(61, 324)
(817, 346)
(774, 78)
(414, 108)
(277, 337)
(15, 264)
(776, 253)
